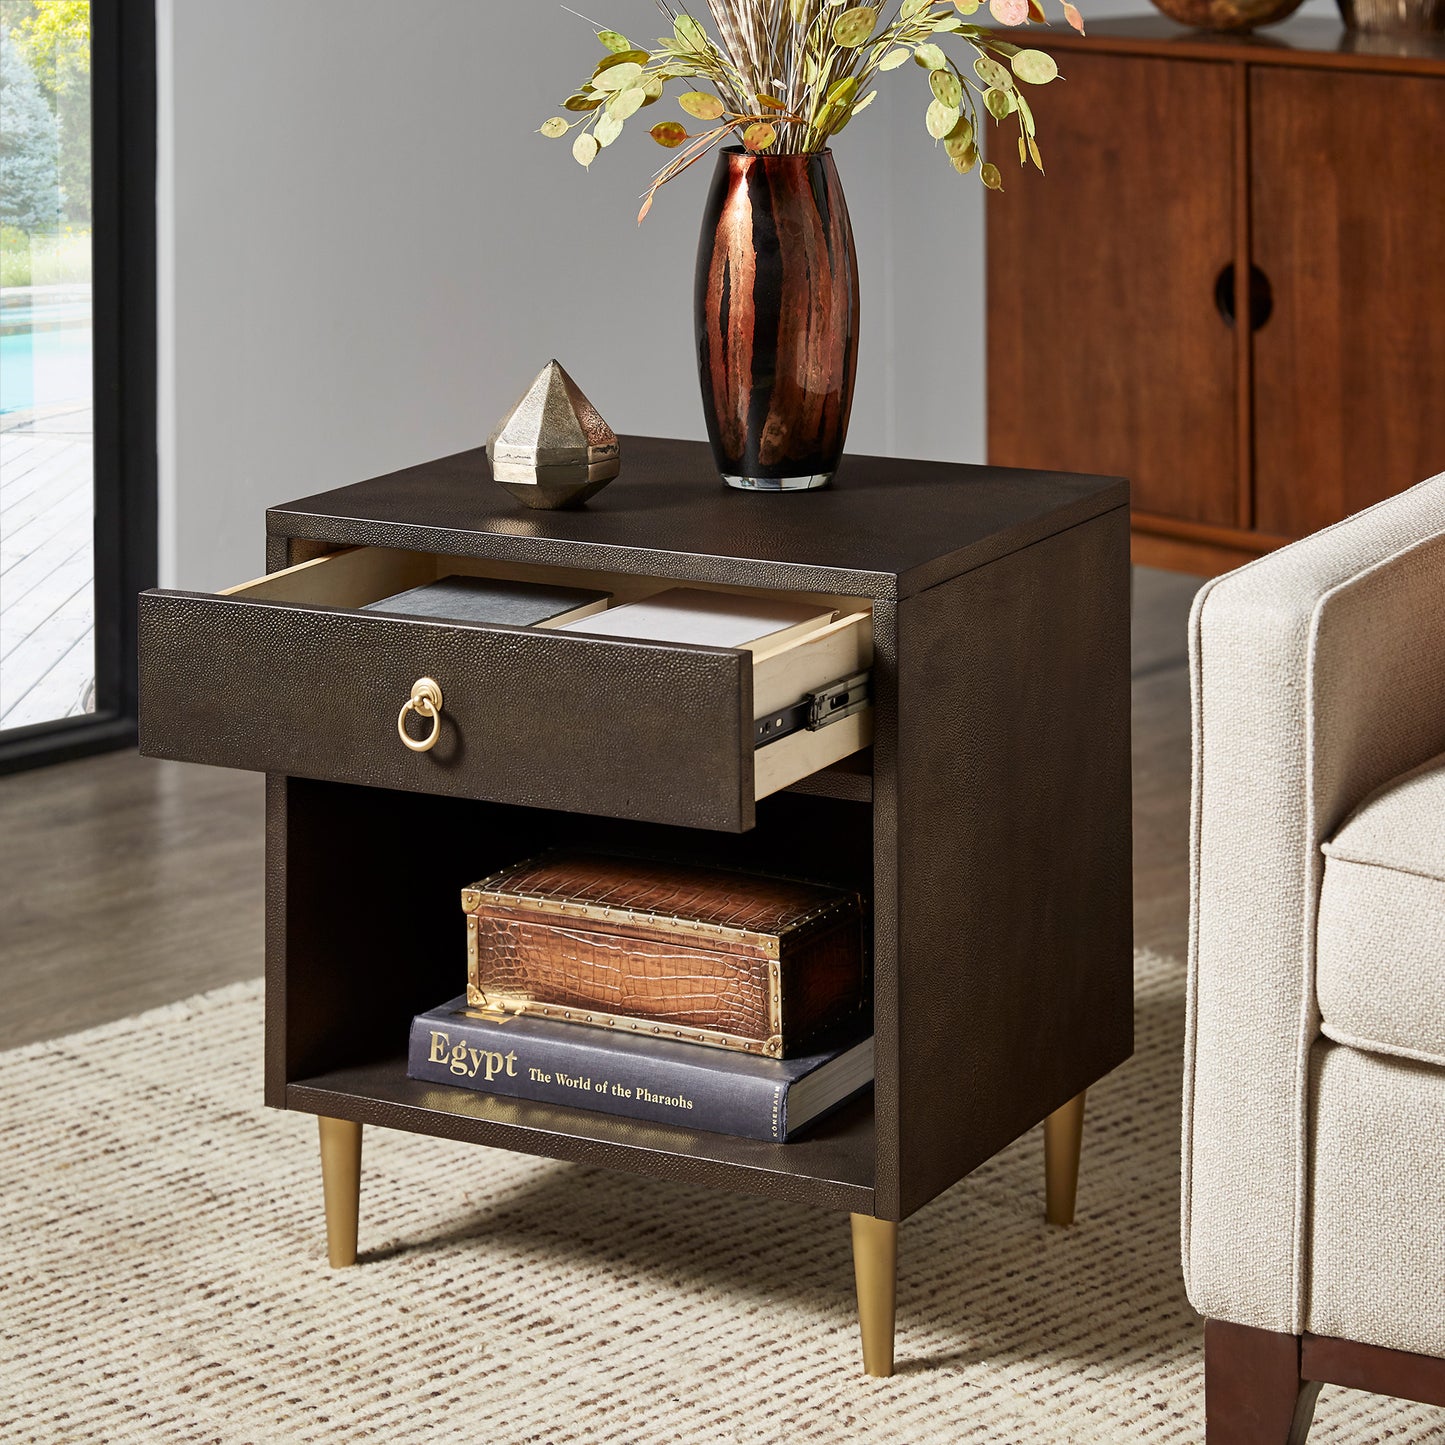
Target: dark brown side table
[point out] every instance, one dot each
(981, 804)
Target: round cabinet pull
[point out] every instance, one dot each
(425, 701)
(1261, 296)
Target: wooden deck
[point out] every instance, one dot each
(47, 571)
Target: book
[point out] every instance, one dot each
(709, 619)
(642, 1077)
(483, 599)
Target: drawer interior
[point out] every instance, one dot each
(782, 675)
(358, 576)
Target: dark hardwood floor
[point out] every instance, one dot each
(127, 884)
(130, 883)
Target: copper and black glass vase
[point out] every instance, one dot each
(777, 320)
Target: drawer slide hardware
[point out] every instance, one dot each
(816, 710)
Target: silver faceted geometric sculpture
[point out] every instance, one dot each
(553, 450)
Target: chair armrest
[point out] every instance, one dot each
(1318, 673)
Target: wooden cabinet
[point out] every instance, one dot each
(1101, 288)
(1230, 286)
(1348, 222)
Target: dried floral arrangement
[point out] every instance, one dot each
(788, 75)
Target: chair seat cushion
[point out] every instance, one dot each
(1380, 961)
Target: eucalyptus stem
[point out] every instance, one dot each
(789, 75)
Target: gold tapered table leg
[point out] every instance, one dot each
(875, 1270)
(1063, 1136)
(341, 1184)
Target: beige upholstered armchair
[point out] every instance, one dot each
(1314, 1111)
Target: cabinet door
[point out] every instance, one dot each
(1106, 352)
(1348, 224)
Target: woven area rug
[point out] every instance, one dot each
(163, 1278)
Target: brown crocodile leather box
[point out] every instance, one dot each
(733, 960)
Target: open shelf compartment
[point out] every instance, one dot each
(373, 933)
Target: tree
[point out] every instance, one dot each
(54, 36)
(29, 176)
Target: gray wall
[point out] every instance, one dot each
(367, 253)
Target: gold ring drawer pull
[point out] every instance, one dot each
(425, 701)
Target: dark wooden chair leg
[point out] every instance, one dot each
(1254, 1393)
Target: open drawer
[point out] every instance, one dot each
(286, 675)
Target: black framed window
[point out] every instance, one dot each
(77, 370)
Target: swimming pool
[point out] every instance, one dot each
(45, 355)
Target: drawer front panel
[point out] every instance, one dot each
(651, 731)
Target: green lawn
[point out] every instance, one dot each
(52, 260)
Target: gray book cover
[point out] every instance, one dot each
(664, 1081)
(482, 599)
